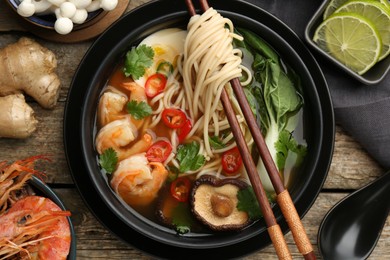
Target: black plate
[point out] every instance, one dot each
(79, 131)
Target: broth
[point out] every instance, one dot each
(147, 117)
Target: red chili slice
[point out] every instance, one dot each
(184, 130)
(180, 189)
(155, 84)
(231, 160)
(159, 151)
(174, 118)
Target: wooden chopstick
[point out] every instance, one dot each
(273, 227)
(283, 196)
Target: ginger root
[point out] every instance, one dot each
(28, 67)
(16, 118)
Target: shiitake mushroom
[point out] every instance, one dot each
(214, 203)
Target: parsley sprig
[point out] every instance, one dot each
(247, 202)
(189, 157)
(137, 60)
(139, 110)
(108, 160)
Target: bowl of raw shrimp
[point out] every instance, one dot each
(34, 221)
(139, 149)
(42, 189)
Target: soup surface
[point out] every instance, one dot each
(163, 138)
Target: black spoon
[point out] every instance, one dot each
(351, 229)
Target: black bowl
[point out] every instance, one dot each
(79, 129)
(42, 189)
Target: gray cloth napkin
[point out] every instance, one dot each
(363, 111)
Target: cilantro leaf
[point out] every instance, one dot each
(189, 157)
(182, 218)
(216, 142)
(247, 202)
(137, 60)
(139, 110)
(108, 160)
(286, 143)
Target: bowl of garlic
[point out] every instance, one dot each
(63, 16)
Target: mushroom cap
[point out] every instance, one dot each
(214, 203)
(26, 9)
(63, 25)
(67, 9)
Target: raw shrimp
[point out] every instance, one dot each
(36, 228)
(14, 176)
(110, 106)
(136, 181)
(116, 135)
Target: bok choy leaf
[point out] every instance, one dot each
(276, 89)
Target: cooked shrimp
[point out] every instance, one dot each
(140, 146)
(137, 91)
(116, 135)
(136, 181)
(110, 106)
(14, 176)
(35, 227)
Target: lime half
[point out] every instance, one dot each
(332, 6)
(385, 3)
(377, 14)
(351, 39)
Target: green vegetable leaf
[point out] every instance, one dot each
(173, 173)
(137, 60)
(216, 142)
(251, 100)
(108, 160)
(182, 218)
(139, 110)
(189, 157)
(259, 45)
(247, 202)
(286, 143)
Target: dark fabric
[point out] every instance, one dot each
(363, 111)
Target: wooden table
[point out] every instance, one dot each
(351, 167)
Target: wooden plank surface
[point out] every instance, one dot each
(351, 166)
(96, 242)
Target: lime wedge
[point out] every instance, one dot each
(377, 14)
(351, 39)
